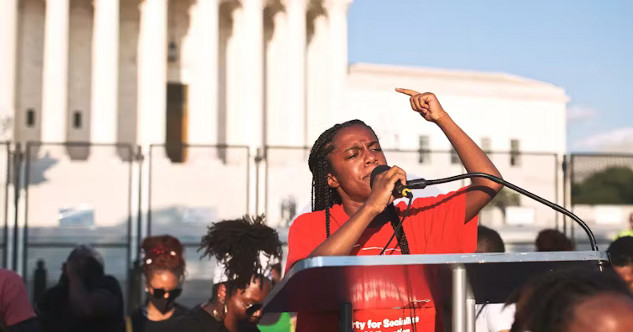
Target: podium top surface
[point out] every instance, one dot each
(322, 283)
(513, 257)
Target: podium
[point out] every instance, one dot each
(456, 281)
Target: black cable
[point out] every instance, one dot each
(422, 183)
(406, 213)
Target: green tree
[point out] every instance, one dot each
(614, 185)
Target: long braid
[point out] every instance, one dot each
(323, 196)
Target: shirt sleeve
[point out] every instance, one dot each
(14, 301)
(303, 238)
(439, 226)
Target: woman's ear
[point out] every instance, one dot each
(221, 293)
(332, 181)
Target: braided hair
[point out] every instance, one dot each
(324, 196)
(162, 253)
(547, 304)
(238, 244)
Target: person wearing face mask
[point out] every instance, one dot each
(163, 268)
(246, 250)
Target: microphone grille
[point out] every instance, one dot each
(379, 169)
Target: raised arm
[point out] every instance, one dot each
(481, 191)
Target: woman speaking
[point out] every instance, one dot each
(350, 217)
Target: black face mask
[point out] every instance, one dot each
(163, 305)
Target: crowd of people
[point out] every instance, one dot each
(353, 213)
(567, 300)
(86, 299)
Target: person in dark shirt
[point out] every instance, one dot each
(85, 299)
(164, 270)
(246, 249)
(208, 316)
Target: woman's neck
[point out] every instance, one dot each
(351, 207)
(155, 315)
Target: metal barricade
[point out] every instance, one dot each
(601, 192)
(77, 193)
(5, 184)
(191, 186)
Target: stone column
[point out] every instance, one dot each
(296, 73)
(105, 71)
(8, 39)
(203, 114)
(318, 74)
(246, 91)
(337, 19)
(152, 92)
(276, 60)
(55, 71)
(246, 87)
(152, 72)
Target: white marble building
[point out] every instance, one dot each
(142, 72)
(253, 73)
(109, 65)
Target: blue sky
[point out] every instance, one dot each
(586, 47)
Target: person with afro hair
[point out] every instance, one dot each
(246, 251)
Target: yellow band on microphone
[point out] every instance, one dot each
(405, 192)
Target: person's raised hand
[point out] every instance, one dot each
(70, 269)
(382, 189)
(424, 103)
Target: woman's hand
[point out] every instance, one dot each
(381, 192)
(425, 103)
(481, 191)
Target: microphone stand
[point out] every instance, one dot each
(422, 183)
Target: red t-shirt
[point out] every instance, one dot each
(435, 226)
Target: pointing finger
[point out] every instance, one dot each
(407, 92)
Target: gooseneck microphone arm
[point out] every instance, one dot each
(422, 183)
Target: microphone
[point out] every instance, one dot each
(399, 190)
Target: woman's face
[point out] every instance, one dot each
(246, 304)
(355, 155)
